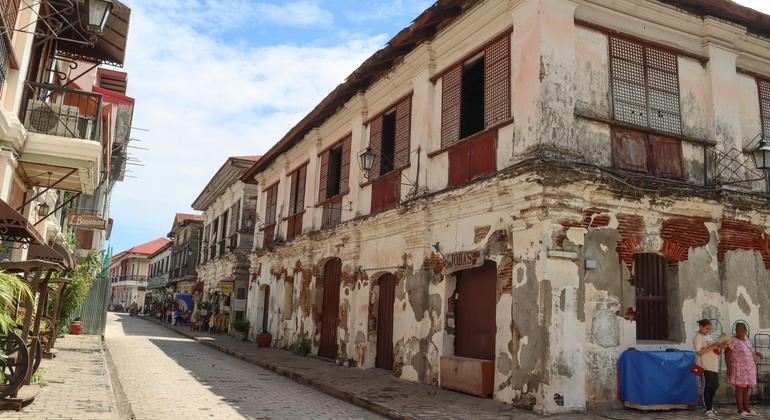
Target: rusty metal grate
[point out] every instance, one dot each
(645, 85)
(762, 346)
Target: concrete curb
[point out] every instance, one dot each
(298, 377)
(118, 395)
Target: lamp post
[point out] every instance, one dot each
(761, 156)
(98, 12)
(366, 160)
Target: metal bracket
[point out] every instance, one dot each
(45, 190)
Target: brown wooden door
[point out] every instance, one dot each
(266, 308)
(330, 311)
(475, 312)
(384, 358)
(651, 305)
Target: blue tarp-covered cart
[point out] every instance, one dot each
(657, 380)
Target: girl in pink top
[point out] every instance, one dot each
(742, 368)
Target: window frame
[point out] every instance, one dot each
(268, 229)
(296, 210)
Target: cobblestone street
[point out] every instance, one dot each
(166, 376)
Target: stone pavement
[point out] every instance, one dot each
(166, 376)
(380, 392)
(77, 385)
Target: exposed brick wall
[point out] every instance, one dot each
(435, 262)
(505, 273)
(631, 230)
(680, 234)
(738, 234)
(593, 217)
(480, 232)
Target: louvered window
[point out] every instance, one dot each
(296, 202)
(390, 137)
(334, 182)
(271, 202)
(764, 106)
(476, 94)
(645, 85)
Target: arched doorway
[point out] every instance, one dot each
(387, 298)
(475, 313)
(330, 309)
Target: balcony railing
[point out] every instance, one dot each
(58, 111)
(332, 212)
(136, 278)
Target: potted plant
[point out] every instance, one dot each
(242, 326)
(264, 338)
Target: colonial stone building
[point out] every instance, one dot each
(229, 213)
(512, 193)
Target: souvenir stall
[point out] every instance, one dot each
(217, 307)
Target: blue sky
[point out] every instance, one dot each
(219, 78)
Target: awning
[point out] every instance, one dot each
(55, 254)
(16, 228)
(186, 299)
(110, 46)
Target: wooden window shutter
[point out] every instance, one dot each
(375, 142)
(451, 98)
(403, 132)
(645, 85)
(764, 106)
(497, 81)
(345, 171)
(324, 176)
(293, 192)
(299, 200)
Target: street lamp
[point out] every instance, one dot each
(761, 156)
(366, 160)
(42, 209)
(98, 12)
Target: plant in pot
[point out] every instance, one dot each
(264, 338)
(242, 326)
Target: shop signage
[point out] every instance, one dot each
(463, 260)
(86, 221)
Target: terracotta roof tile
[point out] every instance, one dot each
(148, 248)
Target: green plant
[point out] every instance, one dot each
(241, 325)
(86, 270)
(11, 287)
(38, 378)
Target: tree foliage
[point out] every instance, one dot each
(82, 277)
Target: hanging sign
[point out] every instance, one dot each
(86, 221)
(463, 260)
(226, 287)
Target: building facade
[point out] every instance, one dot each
(128, 273)
(158, 273)
(549, 182)
(229, 209)
(186, 236)
(61, 124)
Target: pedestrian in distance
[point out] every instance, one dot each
(707, 352)
(742, 368)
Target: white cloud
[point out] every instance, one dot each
(761, 5)
(204, 100)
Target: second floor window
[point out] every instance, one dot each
(296, 202)
(271, 202)
(390, 137)
(476, 94)
(335, 170)
(645, 85)
(764, 106)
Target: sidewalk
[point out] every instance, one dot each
(77, 385)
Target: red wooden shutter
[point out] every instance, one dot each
(375, 142)
(497, 81)
(299, 200)
(403, 132)
(292, 192)
(459, 167)
(483, 156)
(764, 106)
(324, 176)
(451, 98)
(345, 170)
(666, 153)
(629, 149)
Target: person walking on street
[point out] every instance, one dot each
(742, 368)
(707, 357)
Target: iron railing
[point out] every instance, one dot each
(136, 278)
(58, 111)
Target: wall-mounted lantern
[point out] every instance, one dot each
(761, 156)
(98, 12)
(366, 160)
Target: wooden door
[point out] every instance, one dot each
(651, 304)
(475, 312)
(266, 308)
(387, 298)
(330, 309)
